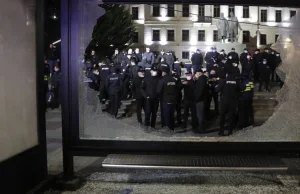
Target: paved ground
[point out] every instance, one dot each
(108, 181)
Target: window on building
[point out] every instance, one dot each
(156, 35)
(278, 16)
(231, 10)
(135, 37)
(246, 36)
(245, 11)
(215, 37)
(185, 55)
(156, 11)
(185, 35)
(185, 10)
(201, 35)
(292, 13)
(201, 10)
(264, 15)
(135, 13)
(263, 39)
(171, 35)
(171, 10)
(216, 11)
(276, 37)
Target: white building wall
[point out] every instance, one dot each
(146, 24)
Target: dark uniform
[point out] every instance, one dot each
(104, 71)
(114, 85)
(213, 82)
(278, 61)
(163, 67)
(264, 76)
(126, 78)
(188, 103)
(211, 58)
(94, 60)
(179, 97)
(137, 94)
(197, 60)
(243, 57)
(138, 57)
(229, 89)
(149, 56)
(149, 92)
(200, 94)
(177, 66)
(247, 66)
(188, 66)
(257, 59)
(161, 57)
(273, 65)
(222, 56)
(235, 56)
(169, 88)
(117, 59)
(170, 60)
(245, 112)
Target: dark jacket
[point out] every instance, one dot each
(94, 60)
(200, 92)
(149, 87)
(243, 58)
(177, 66)
(163, 66)
(56, 79)
(136, 87)
(169, 88)
(51, 54)
(197, 59)
(170, 60)
(149, 57)
(213, 80)
(104, 71)
(247, 89)
(229, 89)
(160, 56)
(247, 66)
(117, 59)
(133, 72)
(138, 57)
(235, 57)
(188, 90)
(272, 61)
(264, 72)
(114, 83)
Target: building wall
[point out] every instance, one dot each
(146, 23)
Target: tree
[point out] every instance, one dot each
(115, 29)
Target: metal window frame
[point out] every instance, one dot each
(203, 36)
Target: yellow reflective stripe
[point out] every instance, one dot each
(247, 90)
(45, 77)
(218, 78)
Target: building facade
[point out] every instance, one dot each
(184, 28)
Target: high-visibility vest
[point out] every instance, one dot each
(249, 87)
(45, 78)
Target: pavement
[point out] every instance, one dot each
(124, 181)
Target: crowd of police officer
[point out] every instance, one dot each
(155, 81)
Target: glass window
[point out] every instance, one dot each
(276, 37)
(278, 16)
(185, 55)
(185, 35)
(201, 10)
(171, 10)
(135, 37)
(263, 39)
(216, 11)
(135, 13)
(231, 10)
(171, 35)
(246, 36)
(185, 10)
(245, 11)
(156, 11)
(264, 16)
(292, 13)
(215, 38)
(201, 35)
(156, 35)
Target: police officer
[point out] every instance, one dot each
(117, 57)
(207, 97)
(137, 55)
(248, 66)
(229, 89)
(168, 88)
(177, 66)
(170, 60)
(149, 56)
(179, 97)
(257, 59)
(114, 85)
(163, 67)
(211, 58)
(137, 95)
(213, 82)
(234, 55)
(197, 60)
(199, 97)
(126, 65)
(278, 61)
(161, 57)
(222, 55)
(149, 92)
(245, 109)
(94, 59)
(188, 65)
(188, 101)
(243, 57)
(264, 75)
(273, 65)
(104, 71)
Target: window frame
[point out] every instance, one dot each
(137, 14)
(136, 34)
(156, 13)
(248, 36)
(188, 55)
(199, 39)
(182, 35)
(153, 39)
(246, 12)
(216, 14)
(168, 35)
(171, 10)
(215, 36)
(184, 12)
(260, 42)
(279, 18)
(265, 17)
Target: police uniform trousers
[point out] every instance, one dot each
(200, 109)
(178, 112)
(227, 108)
(168, 112)
(214, 96)
(195, 68)
(126, 90)
(265, 82)
(189, 67)
(103, 93)
(190, 107)
(162, 117)
(245, 113)
(140, 104)
(115, 100)
(151, 107)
